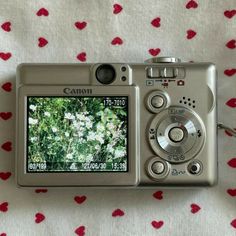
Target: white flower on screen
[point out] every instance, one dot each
(110, 148)
(100, 138)
(76, 124)
(57, 138)
(46, 113)
(111, 126)
(73, 167)
(100, 127)
(82, 140)
(32, 107)
(82, 123)
(89, 125)
(91, 136)
(54, 129)
(69, 116)
(69, 156)
(97, 147)
(67, 134)
(89, 158)
(80, 116)
(80, 134)
(33, 121)
(119, 153)
(32, 139)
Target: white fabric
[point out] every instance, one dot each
(133, 26)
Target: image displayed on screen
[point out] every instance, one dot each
(82, 134)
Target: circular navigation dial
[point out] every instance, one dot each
(176, 134)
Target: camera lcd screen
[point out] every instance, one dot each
(77, 134)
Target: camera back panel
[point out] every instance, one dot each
(170, 111)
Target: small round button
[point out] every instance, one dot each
(158, 167)
(176, 134)
(194, 168)
(157, 101)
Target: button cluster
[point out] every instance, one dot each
(160, 72)
(166, 72)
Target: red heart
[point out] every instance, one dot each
(231, 102)
(6, 26)
(4, 207)
(229, 133)
(7, 146)
(230, 13)
(80, 199)
(80, 231)
(156, 22)
(117, 8)
(5, 175)
(231, 44)
(154, 51)
(80, 25)
(81, 56)
(158, 195)
(42, 42)
(191, 4)
(5, 115)
(195, 208)
(190, 34)
(39, 217)
(42, 12)
(5, 56)
(7, 86)
(232, 192)
(41, 190)
(3, 234)
(233, 223)
(157, 224)
(117, 212)
(230, 72)
(117, 41)
(232, 163)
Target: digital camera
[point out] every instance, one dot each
(117, 124)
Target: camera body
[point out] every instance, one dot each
(117, 124)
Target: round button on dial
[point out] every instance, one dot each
(176, 134)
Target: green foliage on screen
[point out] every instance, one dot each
(68, 133)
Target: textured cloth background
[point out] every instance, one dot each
(95, 30)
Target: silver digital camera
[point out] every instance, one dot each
(117, 124)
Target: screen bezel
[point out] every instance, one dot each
(100, 178)
(83, 171)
